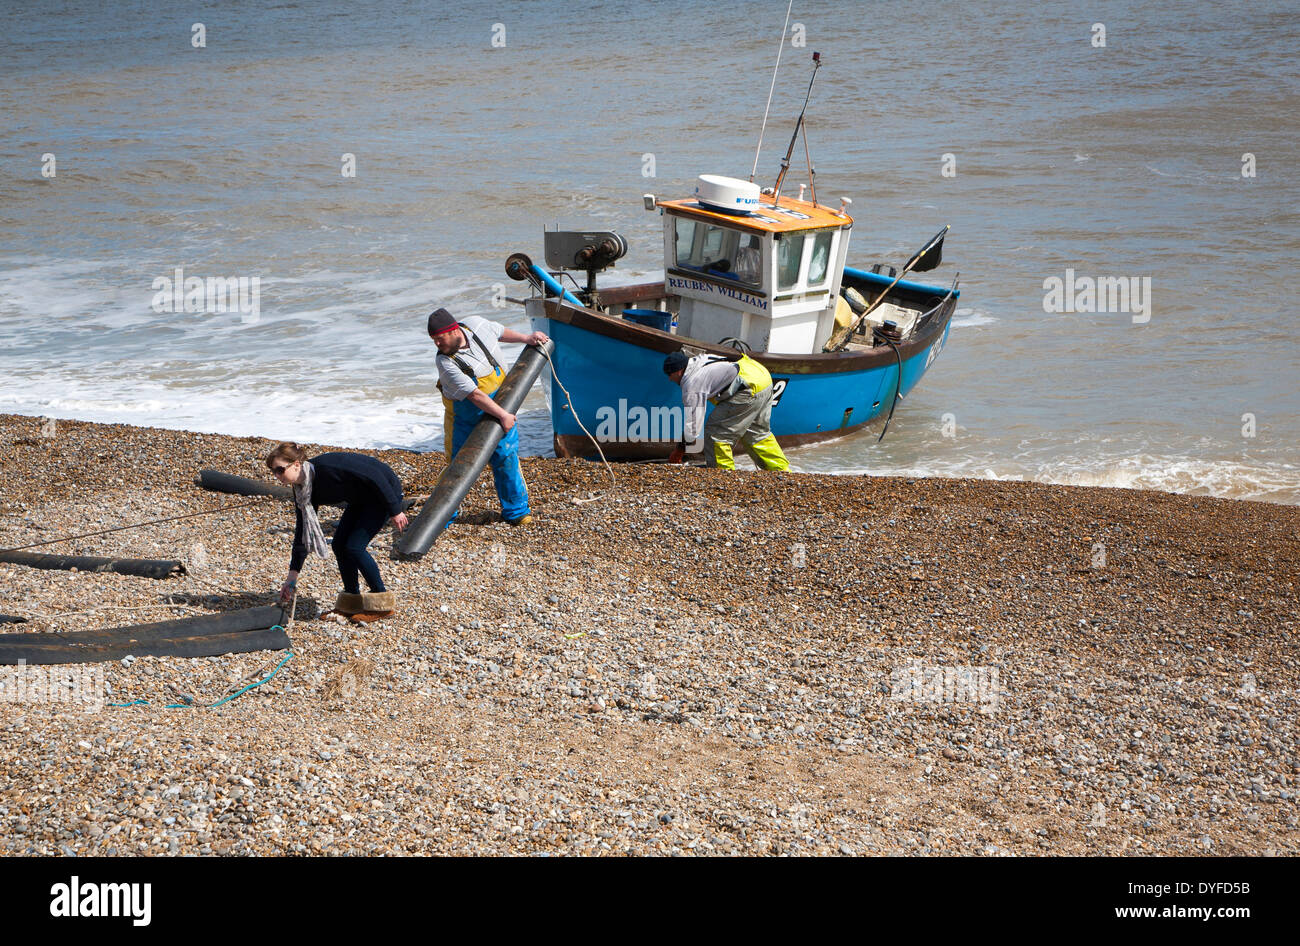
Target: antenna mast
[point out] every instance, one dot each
(784, 30)
(785, 162)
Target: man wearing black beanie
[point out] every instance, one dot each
(469, 374)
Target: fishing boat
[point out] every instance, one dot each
(746, 270)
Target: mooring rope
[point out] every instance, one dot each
(613, 479)
(132, 608)
(137, 525)
(288, 655)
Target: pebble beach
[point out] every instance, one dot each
(677, 661)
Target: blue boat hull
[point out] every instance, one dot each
(613, 371)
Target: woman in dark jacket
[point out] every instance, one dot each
(373, 494)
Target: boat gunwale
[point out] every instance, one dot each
(838, 362)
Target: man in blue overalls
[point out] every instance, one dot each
(469, 374)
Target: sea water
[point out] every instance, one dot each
(366, 163)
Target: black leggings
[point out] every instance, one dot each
(359, 524)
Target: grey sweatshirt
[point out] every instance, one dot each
(701, 381)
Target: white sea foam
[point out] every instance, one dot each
(343, 416)
(324, 417)
(967, 317)
(1197, 477)
(1231, 479)
(53, 291)
(349, 268)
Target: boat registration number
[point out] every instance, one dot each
(935, 349)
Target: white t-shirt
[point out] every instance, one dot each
(456, 385)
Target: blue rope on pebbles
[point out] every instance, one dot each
(287, 657)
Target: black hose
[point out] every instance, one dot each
(220, 482)
(890, 339)
(140, 567)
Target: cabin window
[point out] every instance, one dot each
(719, 252)
(788, 259)
(713, 244)
(819, 260)
(685, 242)
(803, 259)
(749, 259)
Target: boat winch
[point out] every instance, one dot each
(588, 250)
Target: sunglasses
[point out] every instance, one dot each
(277, 470)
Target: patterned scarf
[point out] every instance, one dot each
(311, 533)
